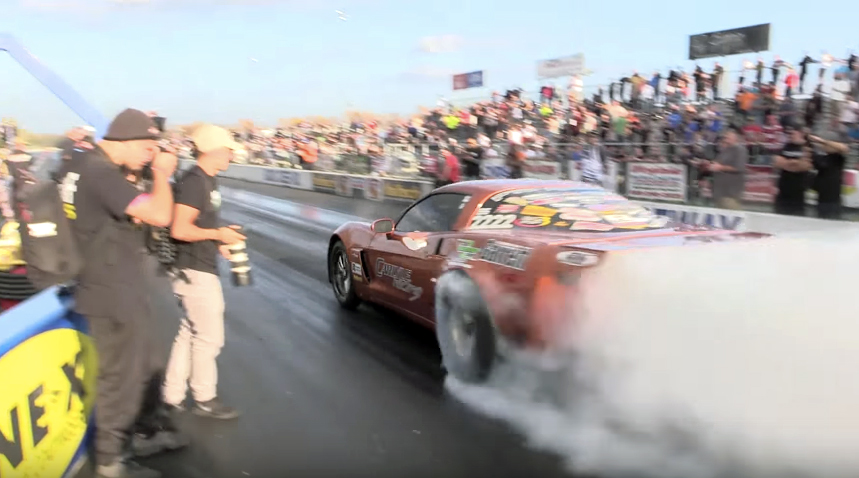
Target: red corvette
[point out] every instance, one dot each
(491, 264)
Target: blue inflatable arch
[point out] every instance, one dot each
(46, 312)
(54, 83)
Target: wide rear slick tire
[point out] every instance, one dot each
(464, 329)
(340, 276)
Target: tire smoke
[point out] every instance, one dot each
(720, 360)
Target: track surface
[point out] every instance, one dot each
(326, 392)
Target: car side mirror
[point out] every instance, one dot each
(382, 226)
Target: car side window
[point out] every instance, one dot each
(435, 213)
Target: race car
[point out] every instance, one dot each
(493, 264)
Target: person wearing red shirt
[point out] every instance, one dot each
(449, 169)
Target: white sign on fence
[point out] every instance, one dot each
(559, 67)
(540, 169)
(656, 181)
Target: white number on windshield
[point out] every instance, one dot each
(493, 221)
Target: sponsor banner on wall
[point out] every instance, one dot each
(746, 221)
(404, 190)
(560, 67)
(284, 177)
(541, 169)
(730, 42)
(656, 181)
(374, 189)
(292, 178)
(324, 182)
(343, 186)
(701, 216)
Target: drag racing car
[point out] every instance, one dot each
(492, 264)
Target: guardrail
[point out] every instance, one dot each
(49, 369)
(402, 190)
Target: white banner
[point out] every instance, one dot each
(559, 67)
(541, 169)
(746, 221)
(656, 181)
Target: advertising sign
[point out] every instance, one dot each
(656, 181)
(343, 186)
(468, 80)
(540, 169)
(374, 189)
(730, 42)
(284, 177)
(560, 67)
(404, 190)
(324, 182)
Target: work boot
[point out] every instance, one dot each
(125, 469)
(157, 434)
(152, 442)
(214, 409)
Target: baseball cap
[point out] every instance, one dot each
(209, 137)
(131, 125)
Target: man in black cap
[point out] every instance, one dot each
(102, 206)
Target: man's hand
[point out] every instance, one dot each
(225, 251)
(165, 163)
(715, 167)
(229, 235)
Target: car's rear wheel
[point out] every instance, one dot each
(464, 328)
(340, 275)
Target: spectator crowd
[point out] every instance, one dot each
(676, 117)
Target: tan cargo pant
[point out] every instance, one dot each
(199, 341)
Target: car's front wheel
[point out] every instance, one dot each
(464, 328)
(340, 275)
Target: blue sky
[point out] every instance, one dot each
(192, 59)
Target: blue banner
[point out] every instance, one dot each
(468, 80)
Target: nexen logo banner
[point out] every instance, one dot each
(735, 221)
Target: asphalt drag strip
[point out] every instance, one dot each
(326, 392)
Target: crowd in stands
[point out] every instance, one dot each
(662, 118)
(677, 117)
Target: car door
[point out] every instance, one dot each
(404, 263)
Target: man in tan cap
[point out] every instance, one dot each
(196, 228)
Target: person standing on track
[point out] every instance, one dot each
(198, 287)
(102, 206)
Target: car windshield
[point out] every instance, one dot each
(582, 209)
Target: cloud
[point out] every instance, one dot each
(441, 44)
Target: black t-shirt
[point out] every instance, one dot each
(198, 190)
(473, 155)
(791, 185)
(95, 194)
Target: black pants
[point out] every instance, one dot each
(829, 210)
(123, 360)
(790, 206)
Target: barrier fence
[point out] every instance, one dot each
(661, 179)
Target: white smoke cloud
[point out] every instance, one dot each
(732, 360)
(441, 44)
